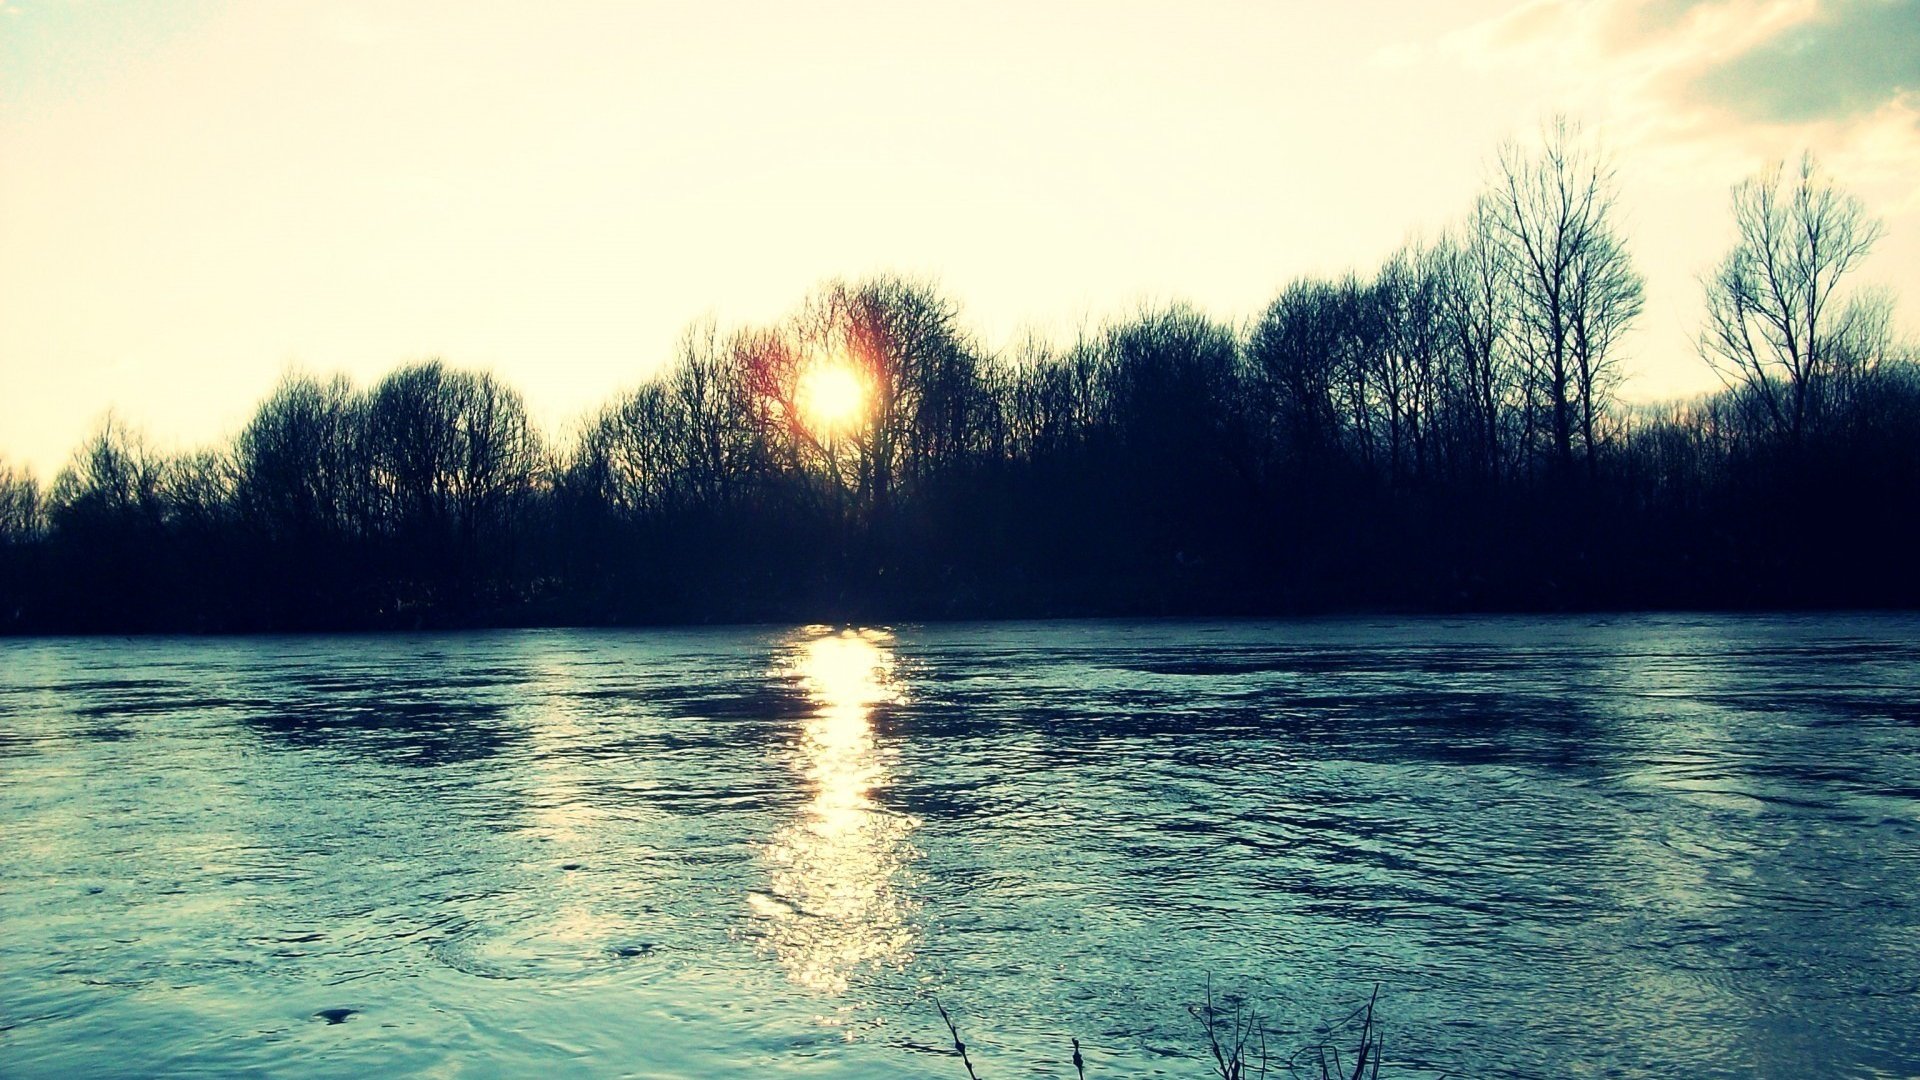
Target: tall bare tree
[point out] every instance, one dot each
(1295, 354)
(624, 457)
(716, 445)
(1049, 396)
(1408, 297)
(1477, 300)
(1575, 287)
(199, 489)
(1778, 327)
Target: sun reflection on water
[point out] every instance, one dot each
(838, 877)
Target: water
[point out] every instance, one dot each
(1563, 847)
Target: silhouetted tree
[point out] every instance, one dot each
(1295, 356)
(111, 483)
(1176, 460)
(451, 459)
(716, 427)
(921, 376)
(926, 403)
(198, 491)
(1411, 360)
(301, 470)
(625, 456)
(22, 535)
(108, 515)
(1049, 398)
(1778, 326)
(1478, 305)
(22, 515)
(1575, 289)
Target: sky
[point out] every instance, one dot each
(198, 197)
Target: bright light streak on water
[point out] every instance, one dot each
(1566, 847)
(837, 899)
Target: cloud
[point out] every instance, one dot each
(1851, 59)
(1720, 81)
(1631, 26)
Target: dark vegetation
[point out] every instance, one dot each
(1443, 434)
(1237, 1043)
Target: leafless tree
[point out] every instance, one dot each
(22, 510)
(925, 401)
(1050, 396)
(113, 479)
(299, 473)
(199, 489)
(1293, 356)
(1477, 301)
(1778, 328)
(923, 377)
(624, 456)
(1409, 303)
(715, 446)
(451, 452)
(1608, 296)
(1575, 288)
(1170, 374)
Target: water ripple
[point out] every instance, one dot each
(1622, 846)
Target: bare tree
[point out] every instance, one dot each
(624, 456)
(22, 511)
(199, 490)
(451, 453)
(1407, 296)
(1172, 377)
(1295, 357)
(1777, 327)
(1050, 397)
(1477, 302)
(715, 446)
(298, 469)
(1575, 288)
(923, 377)
(924, 403)
(113, 481)
(1607, 296)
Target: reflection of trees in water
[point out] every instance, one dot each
(837, 899)
(1231, 705)
(398, 730)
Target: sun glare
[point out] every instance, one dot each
(831, 397)
(838, 899)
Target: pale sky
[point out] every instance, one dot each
(198, 196)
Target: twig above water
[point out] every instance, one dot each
(958, 1046)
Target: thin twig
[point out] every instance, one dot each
(958, 1046)
(1366, 1040)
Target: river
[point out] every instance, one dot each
(1576, 846)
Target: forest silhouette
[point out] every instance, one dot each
(1443, 433)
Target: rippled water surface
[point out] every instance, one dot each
(1564, 847)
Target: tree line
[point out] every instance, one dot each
(1442, 433)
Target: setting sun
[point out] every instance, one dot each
(831, 397)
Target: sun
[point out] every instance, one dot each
(831, 397)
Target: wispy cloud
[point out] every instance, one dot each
(1847, 59)
(1694, 67)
